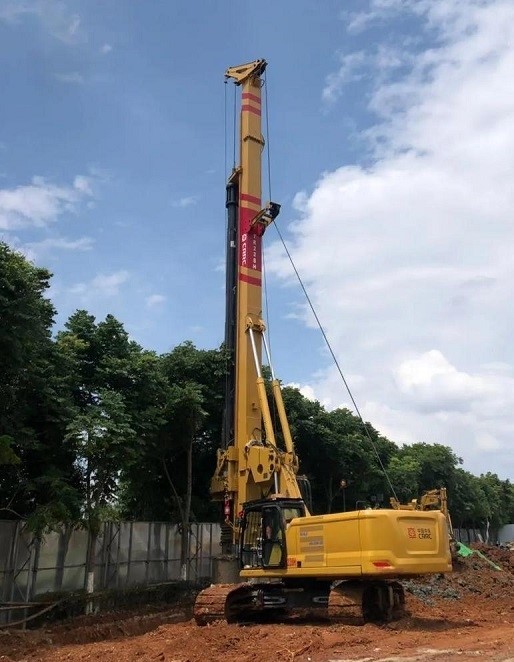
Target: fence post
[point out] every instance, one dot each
(118, 556)
(106, 551)
(129, 556)
(210, 549)
(167, 551)
(62, 548)
(35, 568)
(148, 551)
(14, 558)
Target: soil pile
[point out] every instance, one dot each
(461, 616)
(471, 576)
(502, 556)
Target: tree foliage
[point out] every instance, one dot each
(92, 425)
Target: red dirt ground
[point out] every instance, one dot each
(464, 616)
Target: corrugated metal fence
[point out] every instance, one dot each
(127, 554)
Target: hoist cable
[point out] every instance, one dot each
(336, 362)
(234, 129)
(225, 132)
(267, 134)
(264, 271)
(227, 358)
(266, 302)
(267, 148)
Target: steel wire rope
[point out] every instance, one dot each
(336, 362)
(267, 148)
(225, 129)
(234, 129)
(264, 269)
(228, 359)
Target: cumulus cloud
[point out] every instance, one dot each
(379, 11)
(74, 78)
(409, 259)
(351, 69)
(83, 184)
(41, 202)
(54, 16)
(34, 250)
(155, 300)
(186, 201)
(433, 384)
(104, 285)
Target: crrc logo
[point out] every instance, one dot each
(411, 531)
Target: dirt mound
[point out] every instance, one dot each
(462, 630)
(502, 556)
(460, 616)
(471, 576)
(86, 629)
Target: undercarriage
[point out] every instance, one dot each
(349, 602)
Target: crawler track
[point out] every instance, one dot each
(345, 605)
(350, 603)
(219, 603)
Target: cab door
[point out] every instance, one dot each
(274, 538)
(263, 538)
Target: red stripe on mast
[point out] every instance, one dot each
(251, 109)
(246, 197)
(250, 279)
(251, 97)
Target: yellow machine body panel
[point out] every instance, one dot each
(267, 531)
(361, 544)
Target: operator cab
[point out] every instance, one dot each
(263, 532)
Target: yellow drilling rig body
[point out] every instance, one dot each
(280, 557)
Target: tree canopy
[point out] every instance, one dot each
(94, 426)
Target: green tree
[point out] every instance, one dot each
(102, 441)
(185, 416)
(38, 479)
(116, 399)
(405, 474)
(192, 389)
(467, 501)
(334, 446)
(497, 503)
(437, 464)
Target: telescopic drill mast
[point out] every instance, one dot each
(249, 464)
(276, 556)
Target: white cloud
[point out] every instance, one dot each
(186, 201)
(487, 442)
(40, 203)
(155, 300)
(54, 16)
(73, 77)
(409, 260)
(109, 284)
(379, 11)
(35, 249)
(433, 384)
(103, 285)
(83, 184)
(379, 66)
(105, 49)
(350, 69)
(307, 391)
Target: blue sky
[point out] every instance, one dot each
(390, 136)
(131, 96)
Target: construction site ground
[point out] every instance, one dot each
(463, 616)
